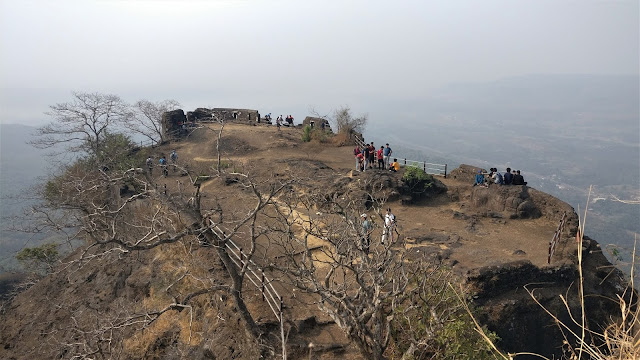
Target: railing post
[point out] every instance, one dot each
(262, 287)
(405, 161)
(424, 166)
(241, 255)
(445, 171)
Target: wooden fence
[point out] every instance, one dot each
(254, 273)
(556, 237)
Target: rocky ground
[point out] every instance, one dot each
(496, 238)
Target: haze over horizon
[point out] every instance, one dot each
(284, 56)
(551, 86)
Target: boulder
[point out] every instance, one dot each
(465, 173)
(512, 199)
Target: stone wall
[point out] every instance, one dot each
(172, 121)
(245, 116)
(316, 123)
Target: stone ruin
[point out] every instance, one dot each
(316, 123)
(175, 123)
(245, 116)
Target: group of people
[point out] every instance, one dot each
(387, 232)
(368, 157)
(162, 162)
(494, 177)
(286, 121)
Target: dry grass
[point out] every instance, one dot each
(620, 340)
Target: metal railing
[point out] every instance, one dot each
(556, 237)
(429, 168)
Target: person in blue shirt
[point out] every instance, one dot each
(387, 155)
(479, 178)
(163, 166)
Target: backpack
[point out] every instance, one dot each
(499, 179)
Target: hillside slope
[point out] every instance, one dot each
(104, 302)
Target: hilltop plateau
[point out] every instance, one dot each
(173, 300)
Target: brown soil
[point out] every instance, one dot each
(446, 226)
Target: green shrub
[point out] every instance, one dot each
(417, 180)
(39, 259)
(306, 133)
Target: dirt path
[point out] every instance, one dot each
(466, 238)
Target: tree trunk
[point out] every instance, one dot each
(252, 328)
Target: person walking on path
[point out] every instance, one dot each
(367, 228)
(163, 166)
(149, 162)
(389, 227)
(357, 152)
(174, 160)
(387, 155)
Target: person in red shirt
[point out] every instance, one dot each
(380, 158)
(360, 158)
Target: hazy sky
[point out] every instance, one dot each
(281, 55)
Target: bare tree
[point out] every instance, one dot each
(118, 211)
(343, 119)
(346, 122)
(147, 120)
(81, 125)
(357, 283)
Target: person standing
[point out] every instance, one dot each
(365, 155)
(372, 155)
(389, 227)
(149, 162)
(380, 158)
(387, 155)
(174, 159)
(367, 228)
(356, 152)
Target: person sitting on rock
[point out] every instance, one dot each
(394, 166)
(479, 178)
(498, 179)
(518, 179)
(508, 177)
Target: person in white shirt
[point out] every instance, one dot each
(389, 226)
